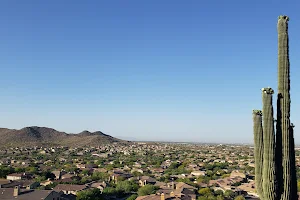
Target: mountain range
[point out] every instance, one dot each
(44, 136)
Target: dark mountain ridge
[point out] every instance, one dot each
(88, 133)
(35, 135)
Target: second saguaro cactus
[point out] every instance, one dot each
(269, 166)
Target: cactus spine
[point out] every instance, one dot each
(269, 166)
(279, 181)
(258, 150)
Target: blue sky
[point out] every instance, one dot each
(150, 70)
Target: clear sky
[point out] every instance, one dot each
(150, 70)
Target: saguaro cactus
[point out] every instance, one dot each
(269, 166)
(283, 109)
(258, 150)
(278, 175)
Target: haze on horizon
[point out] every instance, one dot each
(171, 70)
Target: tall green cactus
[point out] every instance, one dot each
(258, 150)
(283, 109)
(279, 180)
(269, 167)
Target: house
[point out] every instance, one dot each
(236, 173)
(5, 161)
(192, 166)
(137, 170)
(4, 181)
(117, 175)
(43, 152)
(20, 194)
(182, 185)
(103, 170)
(67, 176)
(46, 182)
(25, 162)
(225, 183)
(248, 187)
(99, 185)
(80, 166)
(69, 189)
(19, 176)
(137, 165)
(57, 174)
(90, 166)
(144, 180)
(182, 191)
(29, 184)
(161, 184)
(154, 197)
(157, 170)
(62, 160)
(202, 185)
(198, 173)
(14, 176)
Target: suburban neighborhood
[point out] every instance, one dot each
(136, 170)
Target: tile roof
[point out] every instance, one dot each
(7, 194)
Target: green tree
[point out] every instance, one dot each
(19, 169)
(174, 165)
(126, 187)
(210, 197)
(109, 191)
(229, 194)
(94, 194)
(132, 197)
(136, 174)
(240, 197)
(109, 167)
(205, 192)
(99, 176)
(219, 192)
(32, 169)
(147, 190)
(4, 171)
(220, 197)
(225, 175)
(85, 172)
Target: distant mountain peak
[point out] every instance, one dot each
(88, 133)
(37, 128)
(85, 132)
